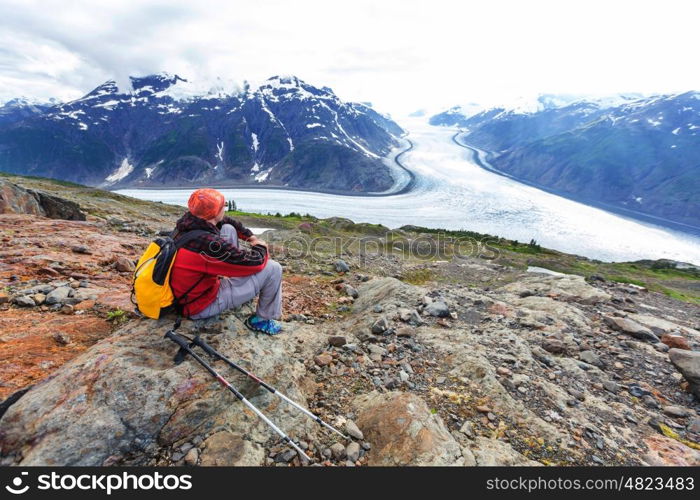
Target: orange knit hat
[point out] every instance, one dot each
(206, 203)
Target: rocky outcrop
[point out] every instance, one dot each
(124, 400)
(58, 208)
(227, 449)
(568, 287)
(15, 199)
(445, 374)
(404, 432)
(491, 452)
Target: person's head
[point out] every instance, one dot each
(207, 204)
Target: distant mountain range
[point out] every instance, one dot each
(166, 132)
(635, 153)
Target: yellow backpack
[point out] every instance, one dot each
(150, 288)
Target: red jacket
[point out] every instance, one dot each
(194, 277)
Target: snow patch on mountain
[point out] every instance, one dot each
(262, 176)
(110, 105)
(124, 169)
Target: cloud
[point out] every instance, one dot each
(401, 55)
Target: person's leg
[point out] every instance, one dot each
(268, 283)
(270, 287)
(233, 293)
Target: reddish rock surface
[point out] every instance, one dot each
(665, 451)
(33, 247)
(28, 350)
(306, 295)
(42, 249)
(675, 341)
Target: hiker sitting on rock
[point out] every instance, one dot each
(212, 273)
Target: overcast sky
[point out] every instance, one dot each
(399, 55)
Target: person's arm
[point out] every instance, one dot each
(253, 264)
(243, 232)
(224, 259)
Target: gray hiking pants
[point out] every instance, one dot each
(234, 292)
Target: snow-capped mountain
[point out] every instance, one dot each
(22, 108)
(642, 154)
(167, 131)
(460, 115)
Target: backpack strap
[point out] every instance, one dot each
(181, 242)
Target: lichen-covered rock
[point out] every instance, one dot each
(664, 451)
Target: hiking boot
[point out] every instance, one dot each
(266, 326)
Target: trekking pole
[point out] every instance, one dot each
(182, 342)
(217, 355)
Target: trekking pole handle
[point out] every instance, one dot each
(206, 347)
(177, 339)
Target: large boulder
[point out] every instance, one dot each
(403, 431)
(124, 400)
(688, 363)
(632, 328)
(58, 208)
(568, 287)
(15, 199)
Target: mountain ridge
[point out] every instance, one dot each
(640, 155)
(161, 132)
